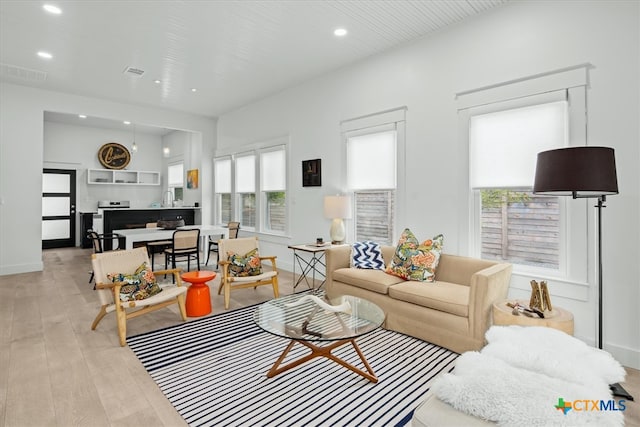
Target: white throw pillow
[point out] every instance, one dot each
(553, 353)
(489, 388)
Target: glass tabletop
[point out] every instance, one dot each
(302, 318)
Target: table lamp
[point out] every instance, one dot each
(337, 208)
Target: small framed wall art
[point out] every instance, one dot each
(192, 179)
(311, 173)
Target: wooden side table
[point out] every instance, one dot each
(559, 318)
(198, 296)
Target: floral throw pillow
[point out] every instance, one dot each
(245, 265)
(367, 255)
(414, 260)
(140, 285)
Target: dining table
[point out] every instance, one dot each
(133, 235)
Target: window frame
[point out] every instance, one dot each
(263, 202)
(218, 217)
(394, 119)
(573, 256)
(280, 143)
(173, 186)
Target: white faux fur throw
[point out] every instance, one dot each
(518, 378)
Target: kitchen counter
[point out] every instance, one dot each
(129, 218)
(150, 208)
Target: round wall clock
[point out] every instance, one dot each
(114, 156)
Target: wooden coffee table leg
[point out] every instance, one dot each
(317, 351)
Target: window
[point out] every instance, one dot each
(222, 190)
(273, 189)
(245, 181)
(251, 187)
(175, 180)
(516, 225)
(374, 193)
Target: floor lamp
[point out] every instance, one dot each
(581, 172)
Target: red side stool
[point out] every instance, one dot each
(198, 297)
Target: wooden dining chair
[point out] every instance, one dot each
(184, 245)
(97, 243)
(234, 228)
(156, 246)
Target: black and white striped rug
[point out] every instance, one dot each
(213, 372)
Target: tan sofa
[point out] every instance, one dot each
(453, 312)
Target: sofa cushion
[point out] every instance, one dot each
(414, 260)
(372, 280)
(442, 296)
(367, 255)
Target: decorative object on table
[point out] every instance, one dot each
(187, 359)
(192, 179)
(114, 156)
(312, 173)
(540, 298)
(337, 208)
(529, 312)
(414, 260)
(345, 307)
(170, 224)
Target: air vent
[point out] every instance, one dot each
(133, 71)
(16, 72)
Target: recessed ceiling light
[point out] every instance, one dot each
(52, 9)
(126, 122)
(82, 116)
(340, 32)
(193, 89)
(156, 81)
(45, 55)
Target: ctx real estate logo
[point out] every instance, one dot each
(590, 405)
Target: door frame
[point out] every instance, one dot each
(71, 240)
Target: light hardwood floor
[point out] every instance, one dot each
(55, 371)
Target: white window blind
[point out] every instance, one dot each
(273, 170)
(175, 175)
(371, 161)
(222, 175)
(246, 174)
(504, 144)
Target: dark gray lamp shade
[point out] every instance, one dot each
(576, 171)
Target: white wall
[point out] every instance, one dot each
(68, 146)
(518, 40)
(22, 159)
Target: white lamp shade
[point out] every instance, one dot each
(337, 207)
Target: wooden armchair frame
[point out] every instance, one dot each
(127, 261)
(228, 282)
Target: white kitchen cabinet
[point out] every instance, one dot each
(122, 177)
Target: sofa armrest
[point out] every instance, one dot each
(335, 258)
(487, 286)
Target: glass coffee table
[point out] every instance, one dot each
(320, 324)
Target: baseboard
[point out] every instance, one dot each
(21, 268)
(626, 356)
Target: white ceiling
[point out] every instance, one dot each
(233, 52)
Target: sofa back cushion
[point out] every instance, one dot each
(459, 269)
